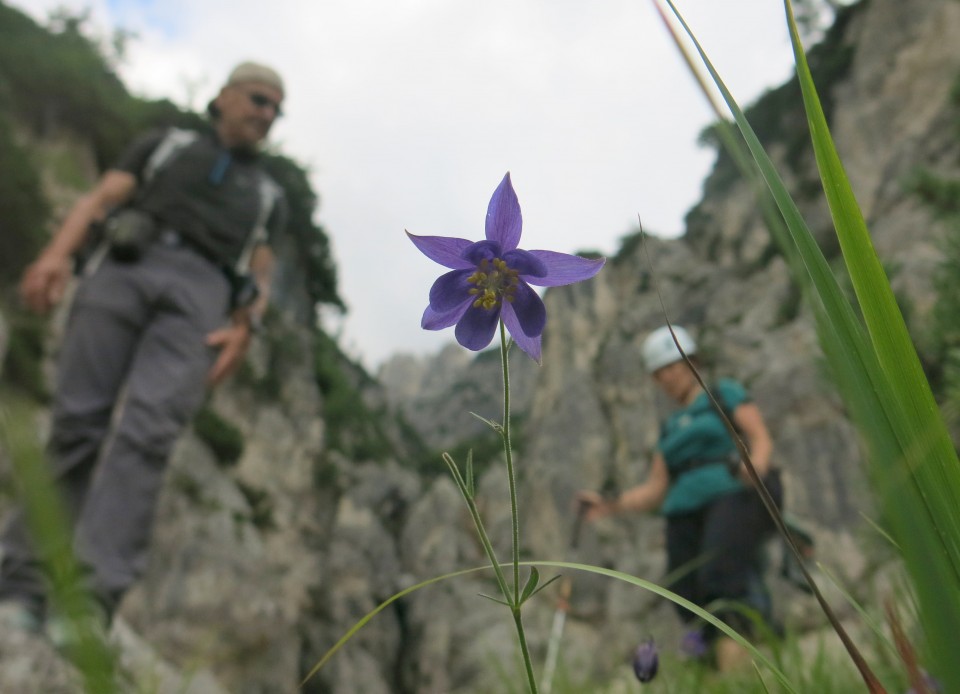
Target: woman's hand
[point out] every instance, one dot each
(640, 499)
(748, 419)
(591, 505)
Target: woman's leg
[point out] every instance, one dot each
(735, 527)
(684, 533)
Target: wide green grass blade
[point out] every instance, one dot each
(842, 336)
(911, 462)
(730, 140)
(885, 323)
(926, 524)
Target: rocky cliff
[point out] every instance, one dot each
(261, 564)
(887, 76)
(886, 71)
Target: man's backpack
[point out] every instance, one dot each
(175, 141)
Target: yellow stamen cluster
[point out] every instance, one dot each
(493, 284)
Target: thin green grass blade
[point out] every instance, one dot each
(872, 624)
(760, 679)
(646, 585)
(363, 621)
(887, 537)
(48, 524)
(686, 604)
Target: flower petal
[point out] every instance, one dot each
(475, 330)
(435, 320)
(450, 290)
(446, 250)
(480, 251)
(563, 268)
(530, 345)
(504, 221)
(526, 263)
(530, 311)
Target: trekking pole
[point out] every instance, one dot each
(560, 615)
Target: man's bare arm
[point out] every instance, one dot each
(45, 280)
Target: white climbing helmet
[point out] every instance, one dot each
(659, 349)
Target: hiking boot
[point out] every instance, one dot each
(16, 616)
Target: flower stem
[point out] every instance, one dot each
(511, 475)
(514, 513)
(478, 523)
(510, 597)
(524, 651)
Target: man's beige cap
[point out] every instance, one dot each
(255, 73)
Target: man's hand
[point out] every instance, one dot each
(44, 282)
(232, 342)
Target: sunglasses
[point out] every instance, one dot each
(262, 101)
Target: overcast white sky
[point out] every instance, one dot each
(409, 112)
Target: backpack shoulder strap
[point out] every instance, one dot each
(268, 192)
(174, 141)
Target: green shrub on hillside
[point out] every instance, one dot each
(23, 365)
(224, 439)
(352, 428)
(25, 209)
(58, 77)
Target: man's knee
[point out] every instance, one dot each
(151, 428)
(77, 439)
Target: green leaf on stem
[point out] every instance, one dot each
(531, 586)
(541, 588)
(496, 426)
(470, 482)
(496, 600)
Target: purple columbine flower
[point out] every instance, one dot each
(491, 279)
(646, 661)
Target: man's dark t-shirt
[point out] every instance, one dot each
(208, 194)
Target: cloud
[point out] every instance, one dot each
(408, 113)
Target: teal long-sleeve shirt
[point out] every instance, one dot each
(696, 433)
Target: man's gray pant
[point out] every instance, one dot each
(131, 374)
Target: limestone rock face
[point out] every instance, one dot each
(441, 394)
(258, 567)
(599, 412)
(4, 339)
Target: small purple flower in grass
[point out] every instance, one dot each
(693, 644)
(930, 684)
(646, 661)
(491, 279)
